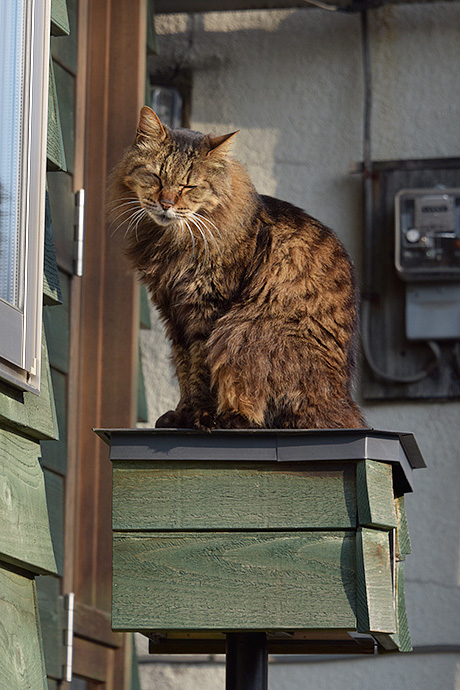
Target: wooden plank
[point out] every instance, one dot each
(54, 485)
(225, 495)
(287, 645)
(404, 641)
(21, 653)
(50, 605)
(374, 586)
(62, 201)
(95, 625)
(65, 48)
(32, 415)
(54, 453)
(59, 18)
(51, 286)
(91, 660)
(65, 89)
(116, 71)
(231, 581)
(376, 506)
(25, 538)
(57, 328)
(403, 545)
(55, 154)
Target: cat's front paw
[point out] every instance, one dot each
(172, 419)
(204, 420)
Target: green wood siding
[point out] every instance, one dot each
(21, 653)
(375, 598)
(32, 415)
(193, 495)
(234, 580)
(31, 510)
(52, 623)
(55, 145)
(25, 535)
(59, 18)
(376, 504)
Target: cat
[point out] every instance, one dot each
(259, 299)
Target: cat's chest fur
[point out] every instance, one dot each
(193, 295)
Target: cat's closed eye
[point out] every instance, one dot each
(187, 187)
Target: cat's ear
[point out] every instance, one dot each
(149, 125)
(220, 145)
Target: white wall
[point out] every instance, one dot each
(292, 82)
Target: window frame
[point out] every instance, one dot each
(21, 329)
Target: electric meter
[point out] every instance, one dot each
(427, 243)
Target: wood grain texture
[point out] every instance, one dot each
(33, 415)
(403, 544)
(374, 586)
(51, 610)
(192, 495)
(238, 580)
(404, 641)
(94, 625)
(54, 485)
(21, 654)
(94, 662)
(54, 453)
(25, 538)
(375, 496)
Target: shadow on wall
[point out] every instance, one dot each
(297, 101)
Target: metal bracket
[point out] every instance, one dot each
(69, 607)
(79, 231)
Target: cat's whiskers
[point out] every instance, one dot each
(122, 222)
(132, 207)
(200, 225)
(206, 219)
(188, 216)
(126, 200)
(183, 222)
(135, 218)
(139, 220)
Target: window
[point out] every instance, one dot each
(24, 67)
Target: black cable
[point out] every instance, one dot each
(369, 229)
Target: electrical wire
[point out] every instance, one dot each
(322, 5)
(431, 366)
(368, 230)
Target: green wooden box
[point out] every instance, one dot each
(301, 534)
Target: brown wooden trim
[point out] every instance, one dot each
(110, 304)
(97, 100)
(91, 661)
(80, 95)
(113, 61)
(73, 439)
(95, 625)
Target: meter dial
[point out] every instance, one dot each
(413, 235)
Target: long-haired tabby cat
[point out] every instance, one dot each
(257, 297)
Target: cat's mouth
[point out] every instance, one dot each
(162, 216)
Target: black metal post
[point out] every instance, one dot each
(246, 661)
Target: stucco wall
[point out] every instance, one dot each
(291, 81)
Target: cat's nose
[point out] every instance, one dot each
(167, 199)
